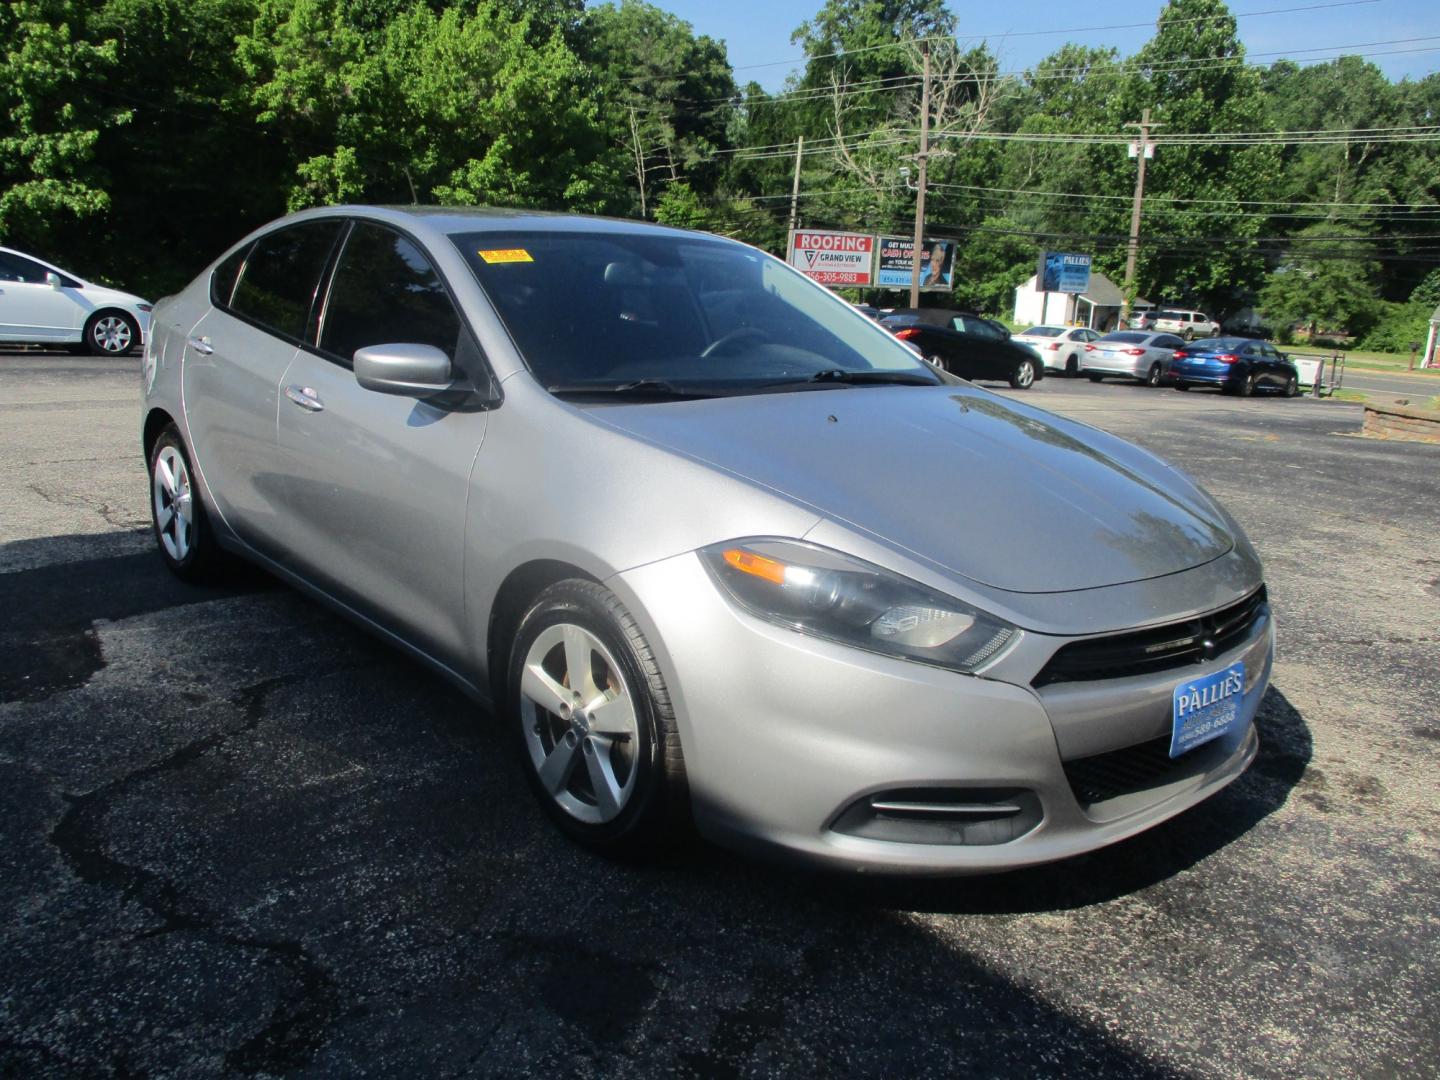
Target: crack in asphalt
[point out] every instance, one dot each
(298, 1024)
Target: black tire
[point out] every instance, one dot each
(1094, 377)
(111, 333)
(656, 810)
(1189, 334)
(1023, 377)
(1292, 386)
(1246, 386)
(1182, 386)
(190, 551)
(1072, 367)
(1152, 377)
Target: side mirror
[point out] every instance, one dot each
(409, 370)
(52, 279)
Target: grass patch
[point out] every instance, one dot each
(1349, 395)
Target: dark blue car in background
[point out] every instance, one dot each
(1236, 365)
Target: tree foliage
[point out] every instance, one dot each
(139, 137)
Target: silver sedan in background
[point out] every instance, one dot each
(651, 496)
(1142, 355)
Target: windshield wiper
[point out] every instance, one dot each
(639, 387)
(872, 378)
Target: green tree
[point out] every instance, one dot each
(461, 105)
(51, 118)
(668, 96)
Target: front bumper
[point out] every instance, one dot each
(787, 737)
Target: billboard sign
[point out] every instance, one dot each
(833, 258)
(894, 267)
(1063, 272)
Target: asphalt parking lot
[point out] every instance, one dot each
(241, 837)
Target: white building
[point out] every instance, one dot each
(1098, 307)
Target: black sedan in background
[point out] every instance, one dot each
(1236, 365)
(965, 344)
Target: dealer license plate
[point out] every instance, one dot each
(1206, 708)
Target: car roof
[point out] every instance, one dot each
(453, 220)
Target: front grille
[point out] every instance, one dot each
(1193, 641)
(1135, 768)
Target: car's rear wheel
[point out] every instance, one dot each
(1023, 377)
(1182, 386)
(1152, 377)
(596, 727)
(1072, 367)
(182, 530)
(1094, 377)
(111, 333)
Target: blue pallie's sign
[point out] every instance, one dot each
(1063, 271)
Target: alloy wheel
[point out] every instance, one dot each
(580, 726)
(174, 503)
(112, 334)
(1025, 374)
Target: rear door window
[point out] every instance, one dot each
(222, 281)
(282, 274)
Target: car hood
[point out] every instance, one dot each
(1002, 494)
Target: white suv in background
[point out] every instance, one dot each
(41, 304)
(1188, 324)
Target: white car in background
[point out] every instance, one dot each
(41, 304)
(1132, 354)
(1060, 348)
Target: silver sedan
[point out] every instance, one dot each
(652, 498)
(1142, 355)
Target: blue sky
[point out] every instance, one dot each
(757, 32)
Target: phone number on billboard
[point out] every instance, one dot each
(837, 277)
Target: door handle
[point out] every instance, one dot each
(201, 345)
(305, 397)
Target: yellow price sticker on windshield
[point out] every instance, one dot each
(506, 255)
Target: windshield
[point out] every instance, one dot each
(627, 312)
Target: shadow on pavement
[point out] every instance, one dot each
(306, 853)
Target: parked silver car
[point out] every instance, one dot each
(1136, 354)
(708, 541)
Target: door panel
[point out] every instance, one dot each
(230, 396)
(31, 310)
(376, 484)
(376, 489)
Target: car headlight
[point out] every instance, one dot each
(817, 591)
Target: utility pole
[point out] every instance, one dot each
(795, 187)
(1144, 149)
(922, 158)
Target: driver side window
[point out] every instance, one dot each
(385, 292)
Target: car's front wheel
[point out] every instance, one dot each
(111, 333)
(1094, 377)
(596, 728)
(1292, 386)
(1023, 377)
(1182, 386)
